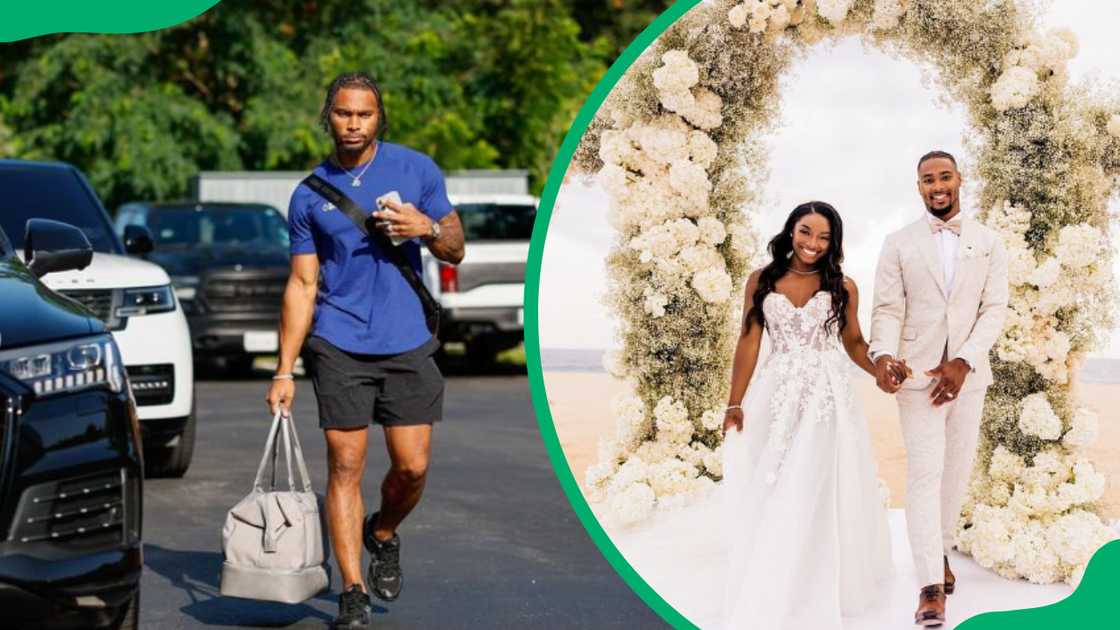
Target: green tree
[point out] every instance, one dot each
(615, 22)
(530, 79)
(477, 84)
(92, 101)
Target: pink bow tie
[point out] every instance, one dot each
(953, 226)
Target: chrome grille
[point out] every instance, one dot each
(241, 295)
(76, 512)
(98, 301)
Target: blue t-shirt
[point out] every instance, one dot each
(364, 304)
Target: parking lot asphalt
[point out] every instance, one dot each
(493, 544)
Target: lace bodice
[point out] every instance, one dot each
(797, 329)
(810, 366)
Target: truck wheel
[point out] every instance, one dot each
(173, 461)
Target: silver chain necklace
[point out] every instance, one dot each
(357, 179)
(804, 273)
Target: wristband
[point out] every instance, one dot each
(283, 377)
(730, 407)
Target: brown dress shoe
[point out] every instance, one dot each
(931, 606)
(950, 579)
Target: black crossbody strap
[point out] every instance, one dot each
(361, 219)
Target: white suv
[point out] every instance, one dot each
(133, 297)
(483, 297)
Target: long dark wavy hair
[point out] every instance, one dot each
(781, 252)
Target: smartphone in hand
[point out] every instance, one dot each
(395, 197)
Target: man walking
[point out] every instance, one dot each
(369, 350)
(940, 302)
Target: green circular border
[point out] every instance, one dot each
(532, 335)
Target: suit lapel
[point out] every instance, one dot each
(928, 246)
(968, 233)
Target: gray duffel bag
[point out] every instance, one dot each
(272, 541)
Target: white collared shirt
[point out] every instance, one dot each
(947, 244)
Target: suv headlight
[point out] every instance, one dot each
(146, 301)
(67, 366)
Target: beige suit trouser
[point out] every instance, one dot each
(940, 451)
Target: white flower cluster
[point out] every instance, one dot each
(887, 14)
(1070, 276)
(673, 425)
(835, 11)
(713, 285)
(1038, 418)
(1083, 431)
(681, 248)
(1026, 67)
(771, 15)
(1114, 125)
(674, 81)
(656, 474)
(630, 421)
(652, 460)
(655, 172)
(1031, 522)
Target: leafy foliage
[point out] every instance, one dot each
(477, 84)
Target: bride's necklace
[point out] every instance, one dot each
(357, 179)
(804, 273)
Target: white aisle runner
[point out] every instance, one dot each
(680, 553)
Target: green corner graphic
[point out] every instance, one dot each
(1085, 608)
(32, 19)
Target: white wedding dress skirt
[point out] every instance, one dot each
(803, 514)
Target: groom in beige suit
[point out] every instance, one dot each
(940, 303)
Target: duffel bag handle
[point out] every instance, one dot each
(282, 424)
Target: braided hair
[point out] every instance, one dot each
(359, 80)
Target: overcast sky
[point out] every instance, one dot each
(853, 123)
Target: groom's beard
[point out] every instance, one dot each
(939, 212)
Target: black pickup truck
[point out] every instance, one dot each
(229, 265)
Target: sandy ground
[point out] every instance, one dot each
(580, 404)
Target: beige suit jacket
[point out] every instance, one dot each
(917, 318)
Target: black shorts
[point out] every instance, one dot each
(389, 389)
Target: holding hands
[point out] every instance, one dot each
(890, 373)
(950, 375)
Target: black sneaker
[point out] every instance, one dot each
(353, 609)
(384, 577)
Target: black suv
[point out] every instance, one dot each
(229, 265)
(70, 456)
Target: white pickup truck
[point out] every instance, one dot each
(483, 297)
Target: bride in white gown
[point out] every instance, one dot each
(807, 528)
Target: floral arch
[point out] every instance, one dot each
(671, 145)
